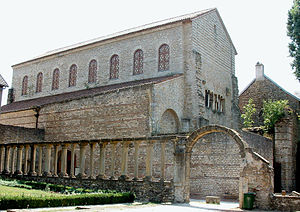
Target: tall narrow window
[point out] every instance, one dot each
(55, 79)
(39, 82)
(24, 85)
(138, 58)
(72, 75)
(92, 71)
(114, 67)
(163, 58)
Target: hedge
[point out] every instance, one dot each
(13, 202)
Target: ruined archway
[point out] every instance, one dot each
(215, 158)
(256, 174)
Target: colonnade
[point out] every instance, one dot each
(41, 159)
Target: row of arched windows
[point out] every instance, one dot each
(138, 61)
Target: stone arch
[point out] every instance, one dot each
(169, 122)
(197, 134)
(256, 174)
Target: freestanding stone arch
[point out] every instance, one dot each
(256, 175)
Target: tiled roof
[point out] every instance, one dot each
(27, 104)
(125, 32)
(3, 83)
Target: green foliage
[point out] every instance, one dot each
(248, 115)
(273, 111)
(293, 31)
(17, 202)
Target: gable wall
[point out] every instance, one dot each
(264, 90)
(217, 66)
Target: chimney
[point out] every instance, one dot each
(259, 67)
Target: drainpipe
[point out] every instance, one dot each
(37, 110)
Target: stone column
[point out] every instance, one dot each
(92, 149)
(163, 161)
(149, 161)
(32, 160)
(64, 154)
(47, 172)
(113, 157)
(102, 161)
(25, 171)
(82, 160)
(72, 174)
(56, 146)
(2, 157)
(124, 161)
(19, 160)
(40, 162)
(13, 157)
(136, 159)
(6, 161)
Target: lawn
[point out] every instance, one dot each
(13, 191)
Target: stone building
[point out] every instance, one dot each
(3, 85)
(263, 88)
(286, 137)
(151, 109)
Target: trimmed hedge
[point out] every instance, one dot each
(13, 202)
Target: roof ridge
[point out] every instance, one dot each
(121, 33)
(3, 83)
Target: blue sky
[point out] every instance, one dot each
(257, 28)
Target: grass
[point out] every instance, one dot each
(14, 191)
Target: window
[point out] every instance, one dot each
(92, 71)
(55, 79)
(138, 62)
(72, 75)
(114, 67)
(39, 82)
(24, 85)
(163, 58)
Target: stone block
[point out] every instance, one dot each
(212, 200)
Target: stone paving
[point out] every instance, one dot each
(194, 205)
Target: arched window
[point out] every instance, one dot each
(24, 85)
(138, 62)
(55, 79)
(92, 71)
(39, 82)
(163, 58)
(114, 67)
(72, 75)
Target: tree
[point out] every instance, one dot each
(249, 111)
(273, 111)
(293, 31)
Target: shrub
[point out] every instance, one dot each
(248, 115)
(9, 202)
(273, 111)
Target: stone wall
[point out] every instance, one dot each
(261, 90)
(286, 141)
(149, 41)
(112, 115)
(215, 167)
(23, 118)
(144, 190)
(259, 144)
(286, 203)
(11, 134)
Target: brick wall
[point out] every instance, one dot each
(215, 167)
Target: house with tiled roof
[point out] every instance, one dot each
(263, 88)
(3, 84)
